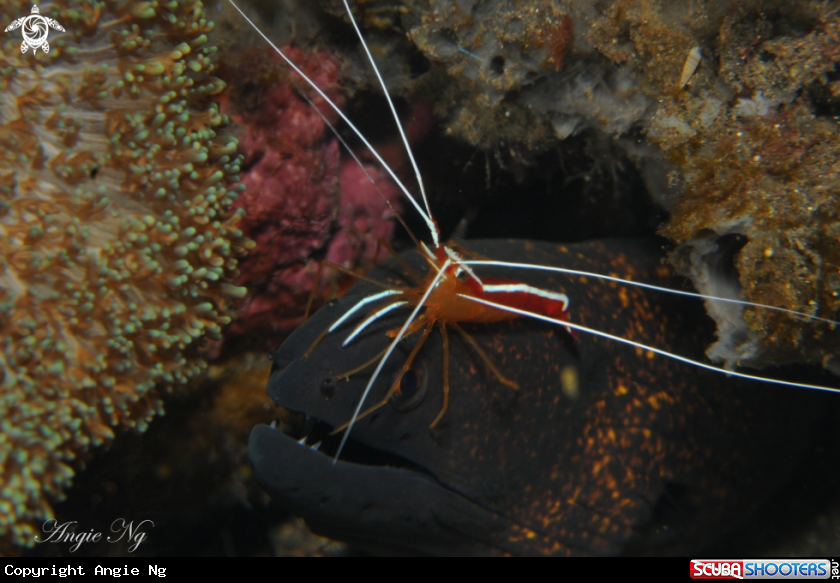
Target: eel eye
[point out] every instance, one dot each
(411, 390)
(461, 274)
(409, 385)
(327, 387)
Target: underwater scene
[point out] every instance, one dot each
(554, 278)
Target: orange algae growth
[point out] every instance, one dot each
(117, 241)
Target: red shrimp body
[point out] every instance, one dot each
(446, 304)
(521, 300)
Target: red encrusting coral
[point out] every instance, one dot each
(303, 201)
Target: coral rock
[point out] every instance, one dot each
(752, 139)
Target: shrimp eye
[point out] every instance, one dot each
(327, 387)
(411, 391)
(461, 275)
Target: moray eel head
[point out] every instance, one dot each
(398, 485)
(643, 450)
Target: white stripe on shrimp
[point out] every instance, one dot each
(647, 286)
(528, 289)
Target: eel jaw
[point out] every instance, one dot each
(376, 507)
(318, 436)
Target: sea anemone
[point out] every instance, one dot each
(118, 242)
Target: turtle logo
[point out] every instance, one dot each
(35, 30)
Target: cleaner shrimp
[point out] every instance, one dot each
(454, 290)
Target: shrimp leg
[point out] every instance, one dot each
(496, 372)
(445, 338)
(395, 385)
(411, 274)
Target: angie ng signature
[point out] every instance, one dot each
(64, 532)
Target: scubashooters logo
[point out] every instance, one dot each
(764, 569)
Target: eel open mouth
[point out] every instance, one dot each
(318, 436)
(370, 498)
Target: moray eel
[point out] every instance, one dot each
(604, 449)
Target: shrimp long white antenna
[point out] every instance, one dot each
(659, 351)
(363, 302)
(381, 364)
(370, 320)
(393, 111)
(647, 286)
(426, 217)
(350, 151)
